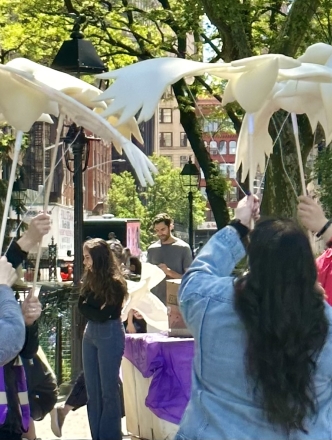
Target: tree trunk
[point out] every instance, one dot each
(280, 196)
(216, 185)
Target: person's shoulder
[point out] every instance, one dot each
(154, 245)
(181, 243)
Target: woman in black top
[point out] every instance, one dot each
(103, 292)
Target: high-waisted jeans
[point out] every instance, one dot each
(103, 346)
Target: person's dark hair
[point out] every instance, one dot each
(163, 217)
(117, 250)
(105, 279)
(283, 314)
(135, 261)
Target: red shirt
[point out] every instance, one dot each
(324, 268)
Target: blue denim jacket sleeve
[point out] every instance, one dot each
(210, 273)
(12, 328)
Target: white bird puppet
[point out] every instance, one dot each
(139, 87)
(24, 98)
(146, 303)
(304, 89)
(261, 85)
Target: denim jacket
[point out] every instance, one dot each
(222, 405)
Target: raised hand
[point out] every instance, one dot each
(31, 309)
(8, 274)
(38, 227)
(247, 210)
(311, 214)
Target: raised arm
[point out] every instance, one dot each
(312, 216)
(222, 252)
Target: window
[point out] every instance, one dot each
(223, 147)
(228, 169)
(213, 148)
(210, 126)
(232, 147)
(165, 115)
(183, 140)
(183, 160)
(233, 194)
(165, 140)
(223, 168)
(170, 158)
(231, 171)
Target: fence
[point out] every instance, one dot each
(54, 327)
(44, 269)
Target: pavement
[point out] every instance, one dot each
(76, 427)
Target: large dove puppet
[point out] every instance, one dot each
(29, 91)
(261, 84)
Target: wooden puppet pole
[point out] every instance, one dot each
(47, 196)
(298, 150)
(251, 172)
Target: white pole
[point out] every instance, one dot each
(298, 150)
(47, 195)
(252, 173)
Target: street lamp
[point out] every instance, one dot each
(77, 56)
(190, 178)
(18, 201)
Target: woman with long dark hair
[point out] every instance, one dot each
(103, 292)
(263, 344)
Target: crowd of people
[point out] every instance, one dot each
(272, 351)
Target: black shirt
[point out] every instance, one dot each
(90, 307)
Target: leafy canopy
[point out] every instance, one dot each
(166, 195)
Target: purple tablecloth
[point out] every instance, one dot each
(169, 361)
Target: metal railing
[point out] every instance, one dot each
(54, 327)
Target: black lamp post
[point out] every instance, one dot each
(18, 201)
(190, 177)
(77, 56)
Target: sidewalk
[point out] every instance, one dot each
(76, 427)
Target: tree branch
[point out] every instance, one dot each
(230, 17)
(211, 44)
(70, 8)
(296, 26)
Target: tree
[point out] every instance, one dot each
(322, 172)
(123, 201)
(166, 195)
(125, 32)
(120, 33)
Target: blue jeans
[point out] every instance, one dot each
(103, 346)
